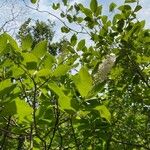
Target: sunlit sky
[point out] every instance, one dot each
(15, 7)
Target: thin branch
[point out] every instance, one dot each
(55, 126)
(6, 133)
(74, 135)
(55, 16)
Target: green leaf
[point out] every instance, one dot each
(11, 41)
(65, 2)
(96, 88)
(70, 19)
(27, 42)
(17, 72)
(104, 112)
(61, 70)
(18, 108)
(98, 11)
(44, 73)
(93, 5)
(40, 49)
(30, 61)
(48, 61)
(130, 1)
(87, 12)
(81, 45)
(73, 40)
(79, 19)
(56, 6)
(3, 42)
(6, 87)
(143, 59)
(137, 8)
(112, 6)
(83, 82)
(125, 8)
(64, 101)
(65, 29)
(33, 1)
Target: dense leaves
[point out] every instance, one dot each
(93, 95)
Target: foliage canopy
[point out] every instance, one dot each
(87, 97)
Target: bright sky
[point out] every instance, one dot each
(21, 13)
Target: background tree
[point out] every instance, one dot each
(40, 31)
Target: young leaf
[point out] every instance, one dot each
(130, 1)
(27, 42)
(44, 73)
(56, 6)
(112, 6)
(6, 87)
(65, 29)
(48, 61)
(93, 5)
(65, 2)
(81, 44)
(83, 82)
(137, 8)
(33, 1)
(11, 41)
(73, 40)
(61, 70)
(3, 42)
(64, 100)
(30, 61)
(40, 49)
(19, 108)
(104, 112)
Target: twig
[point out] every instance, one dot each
(55, 126)
(55, 16)
(5, 134)
(73, 131)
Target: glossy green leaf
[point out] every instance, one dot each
(87, 12)
(20, 109)
(40, 49)
(96, 88)
(130, 1)
(125, 8)
(73, 40)
(6, 87)
(56, 6)
(17, 71)
(65, 2)
(64, 100)
(104, 112)
(93, 5)
(30, 61)
(48, 61)
(11, 41)
(83, 82)
(98, 11)
(61, 70)
(112, 6)
(79, 19)
(81, 45)
(3, 42)
(65, 29)
(27, 42)
(137, 8)
(33, 1)
(44, 73)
